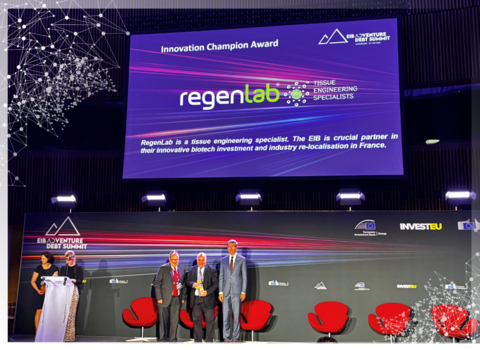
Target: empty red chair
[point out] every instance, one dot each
(186, 317)
(394, 316)
(449, 318)
(146, 311)
(333, 316)
(256, 314)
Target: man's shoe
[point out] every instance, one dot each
(161, 340)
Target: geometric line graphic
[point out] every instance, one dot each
(59, 64)
(464, 296)
(60, 228)
(337, 37)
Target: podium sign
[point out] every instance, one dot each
(56, 309)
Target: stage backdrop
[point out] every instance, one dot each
(295, 261)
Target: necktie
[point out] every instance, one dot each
(175, 280)
(231, 263)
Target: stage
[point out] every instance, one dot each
(295, 260)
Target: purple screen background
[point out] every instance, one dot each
(156, 81)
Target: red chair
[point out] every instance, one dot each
(395, 318)
(332, 314)
(449, 318)
(186, 318)
(146, 311)
(256, 314)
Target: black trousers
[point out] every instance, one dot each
(169, 317)
(199, 307)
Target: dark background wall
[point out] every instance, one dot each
(94, 181)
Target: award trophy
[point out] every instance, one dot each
(199, 282)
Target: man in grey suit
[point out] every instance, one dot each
(170, 292)
(232, 289)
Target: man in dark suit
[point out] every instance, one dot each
(203, 281)
(170, 292)
(232, 289)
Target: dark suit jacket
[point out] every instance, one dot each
(75, 272)
(210, 284)
(164, 284)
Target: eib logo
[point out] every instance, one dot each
(209, 98)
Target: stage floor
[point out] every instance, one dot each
(26, 338)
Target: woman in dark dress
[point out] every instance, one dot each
(45, 269)
(75, 273)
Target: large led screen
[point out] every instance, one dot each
(317, 99)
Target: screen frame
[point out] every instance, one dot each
(269, 178)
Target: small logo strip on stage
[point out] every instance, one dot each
(406, 286)
(454, 286)
(369, 226)
(467, 225)
(278, 284)
(360, 286)
(117, 281)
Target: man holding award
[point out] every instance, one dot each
(203, 281)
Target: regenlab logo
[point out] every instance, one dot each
(210, 99)
(360, 286)
(335, 38)
(369, 228)
(59, 229)
(468, 226)
(320, 286)
(275, 283)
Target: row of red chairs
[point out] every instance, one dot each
(329, 317)
(255, 315)
(393, 319)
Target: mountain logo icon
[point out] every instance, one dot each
(67, 228)
(320, 286)
(335, 38)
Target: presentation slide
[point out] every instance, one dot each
(303, 100)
